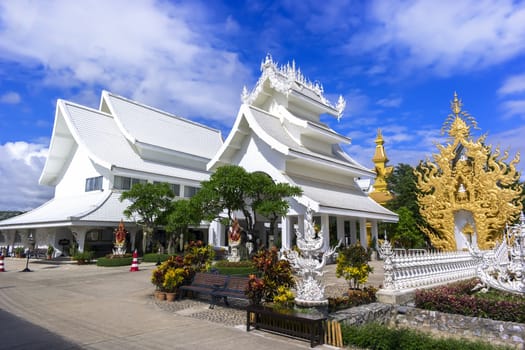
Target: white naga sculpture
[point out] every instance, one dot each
(504, 267)
(308, 265)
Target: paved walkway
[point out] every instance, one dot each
(90, 307)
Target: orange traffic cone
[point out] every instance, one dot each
(2, 263)
(135, 262)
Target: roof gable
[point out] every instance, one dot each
(167, 138)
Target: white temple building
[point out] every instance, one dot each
(95, 154)
(278, 131)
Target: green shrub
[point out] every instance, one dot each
(352, 264)
(109, 262)
(83, 257)
(154, 257)
(376, 336)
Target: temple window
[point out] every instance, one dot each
(190, 191)
(93, 184)
(125, 183)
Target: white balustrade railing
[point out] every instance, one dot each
(421, 268)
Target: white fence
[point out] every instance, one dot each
(420, 268)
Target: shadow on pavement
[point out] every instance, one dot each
(17, 333)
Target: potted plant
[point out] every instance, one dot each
(50, 251)
(19, 251)
(173, 279)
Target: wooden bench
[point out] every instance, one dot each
(204, 283)
(235, 287)
(288, 322)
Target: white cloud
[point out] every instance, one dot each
(444, 36)
(390, 102)
(513, 85)
(20, 168)
(160, 53)
(10, 98)
(513, 108)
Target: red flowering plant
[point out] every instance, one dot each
(274, 271)
(255, 289)
(459, 298)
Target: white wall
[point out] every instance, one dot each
(79, 169)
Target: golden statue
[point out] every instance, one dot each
(468, 192)
(380, 193)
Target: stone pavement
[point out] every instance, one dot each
(90, 307)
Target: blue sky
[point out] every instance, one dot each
(397, 64)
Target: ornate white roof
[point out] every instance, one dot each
(90, 208)
(289, 80)
(143, 124)
(340, 200)
(285, 138)
(107, 138)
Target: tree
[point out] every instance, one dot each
(402, 184)
(231, 188)
(225, 190)
(180, 215)
(269, 198)
(150, 202)
(406, 233)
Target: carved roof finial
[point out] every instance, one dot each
(456, 105)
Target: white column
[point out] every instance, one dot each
(353, 232)
(341, 229)
(212, 234)
(221, 234)
(300, 223)
(80, 236)
(362, 232)
(325, 228)
(286, 237)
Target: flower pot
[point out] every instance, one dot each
(171, 296)
(159, 295)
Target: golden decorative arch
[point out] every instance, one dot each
(468, 175)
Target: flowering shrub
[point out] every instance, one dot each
(353, 298)
(174, 278)
(352, 264)
(458, 298)
(274, 272)
(284, 297)
(255, 290)
(158, 277)
(198, 256)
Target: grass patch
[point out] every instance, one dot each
(111, 262)
(155, 257)
(376, 336)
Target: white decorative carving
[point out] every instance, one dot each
(504, 267)
(421, 268)
(283, 79)
(308, 266)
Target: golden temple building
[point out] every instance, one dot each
(469, 191)
(381, 194)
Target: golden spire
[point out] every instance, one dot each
(456, 105)
(381, 193)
